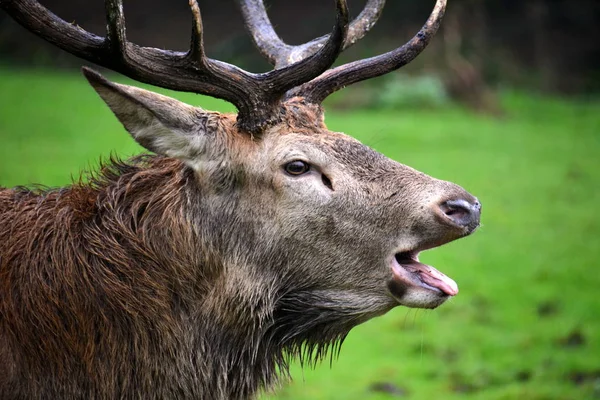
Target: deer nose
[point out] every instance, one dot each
(463, 213)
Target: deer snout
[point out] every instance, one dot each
(462, 212)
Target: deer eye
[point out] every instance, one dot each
(297, 167)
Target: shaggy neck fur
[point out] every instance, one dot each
(119, 288)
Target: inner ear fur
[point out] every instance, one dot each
(161, 124)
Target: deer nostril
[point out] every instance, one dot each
(462, 213)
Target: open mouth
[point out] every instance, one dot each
(408, 272)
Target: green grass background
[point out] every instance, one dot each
(526, 324)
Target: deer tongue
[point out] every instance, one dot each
(426, 274)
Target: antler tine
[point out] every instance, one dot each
(115, 27)
(363, 23)
(265, 38)
(290, 76)
(357, 30)
(197, 43)
(330, 81)
(39, 20)
(280, 54)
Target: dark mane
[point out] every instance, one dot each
(89, 259)
(111, 173)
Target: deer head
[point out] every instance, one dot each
(285, 202)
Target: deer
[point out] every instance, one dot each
(240, 243)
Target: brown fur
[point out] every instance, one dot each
(93, 261)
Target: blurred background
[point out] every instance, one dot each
(504, 101)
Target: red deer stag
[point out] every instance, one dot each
(245, 241)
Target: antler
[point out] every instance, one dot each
(329, 82)
(281, 54)
(299, 70)
(256, 96)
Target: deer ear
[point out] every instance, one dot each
(159, 123)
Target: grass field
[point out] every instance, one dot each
(526, 324)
